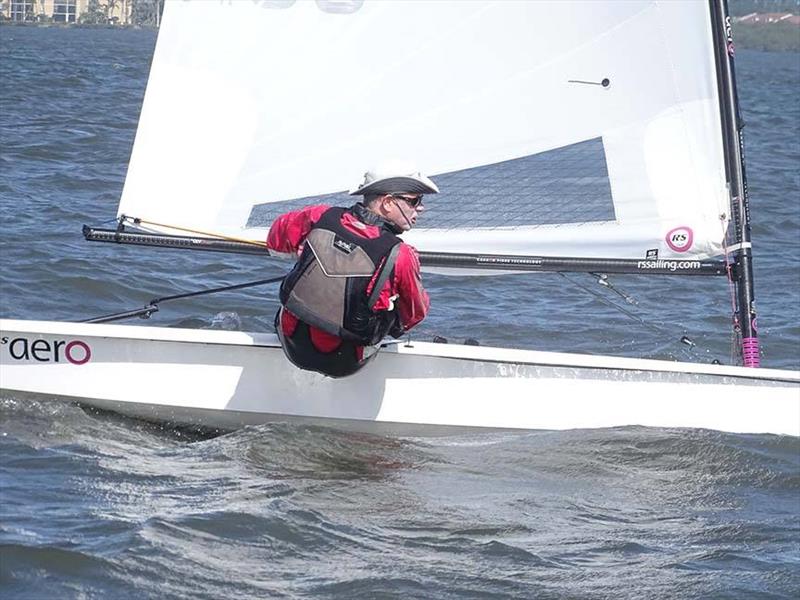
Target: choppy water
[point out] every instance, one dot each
(94, 506)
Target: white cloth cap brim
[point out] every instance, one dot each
(419, 184)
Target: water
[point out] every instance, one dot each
(96, 506)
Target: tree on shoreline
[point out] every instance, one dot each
(110, 6)
(94, 15)
(147, 12)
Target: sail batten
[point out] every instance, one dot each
(553, 128)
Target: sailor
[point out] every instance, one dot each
(355, 281)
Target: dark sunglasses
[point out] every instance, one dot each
(413, 201)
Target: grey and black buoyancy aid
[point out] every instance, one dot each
(327, 288)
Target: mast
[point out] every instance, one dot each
(733, 146)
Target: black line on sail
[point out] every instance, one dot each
(604, 83)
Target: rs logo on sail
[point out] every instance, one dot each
(680, 239)
(74, 351)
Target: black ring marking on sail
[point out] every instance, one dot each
(560, 186)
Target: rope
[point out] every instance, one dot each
(136, 221)
(608, 302)
(152, 306)
(604, 282)
(732, 289)
(226, 288)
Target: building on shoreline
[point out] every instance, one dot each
(90, 12)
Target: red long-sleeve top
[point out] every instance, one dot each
(404, 290)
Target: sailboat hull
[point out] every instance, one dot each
(230, 379)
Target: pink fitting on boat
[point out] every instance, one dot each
(750, 352)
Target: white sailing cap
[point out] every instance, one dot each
(395, 176)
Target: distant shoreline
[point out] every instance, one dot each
(73, 25)
(771, 37)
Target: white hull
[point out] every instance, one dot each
(229, 379)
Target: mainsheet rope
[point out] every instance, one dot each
(137, 221)
(152, 306)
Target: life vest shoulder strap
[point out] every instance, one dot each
(383, 276)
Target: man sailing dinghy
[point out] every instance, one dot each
(355, 281)
(605, 135)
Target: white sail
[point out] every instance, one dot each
(553, 128)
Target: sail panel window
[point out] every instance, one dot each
(560, 186)
(64, 11)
